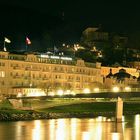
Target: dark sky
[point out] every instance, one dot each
(66, 20)
(86, 11)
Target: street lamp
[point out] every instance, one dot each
(116, 89)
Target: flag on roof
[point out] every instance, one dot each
(7, 40)
(28, 42)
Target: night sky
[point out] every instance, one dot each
(65, 20)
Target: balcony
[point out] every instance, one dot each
(45, 78)
(27, 68)
(17, 76)
(92, 65)
(16, 67)
(45, 70)
(27, 77)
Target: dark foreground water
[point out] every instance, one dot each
(100, 128)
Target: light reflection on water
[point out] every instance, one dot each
(137, 124)
(100, 128)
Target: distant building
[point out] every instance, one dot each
(106, 70)
(133, 54)
(94, 37)
(94, 34)
(134, 64)
(119, 41)
(120, 77)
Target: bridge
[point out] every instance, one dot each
(29, 103)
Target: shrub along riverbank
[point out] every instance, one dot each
(83, 109)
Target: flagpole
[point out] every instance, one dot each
(6, 40)
(26, 47)
(4, 44)
(54, 50)
(28, 42)
(4, 48)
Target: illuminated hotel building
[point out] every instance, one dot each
(22, 72)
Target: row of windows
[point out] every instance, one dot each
(33, 90)
(64, 69)
(2, 56)
(59, 77)
(2, 64)
(53, 68)
(27, 90)
(16, 57)
(31, 59)
(36, 84)
(36, 75)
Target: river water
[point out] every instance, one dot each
(99, 128)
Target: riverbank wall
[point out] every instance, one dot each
(39, 115)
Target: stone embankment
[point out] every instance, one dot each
(22, 116)
(41, 115)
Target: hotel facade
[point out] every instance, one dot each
(30, 73)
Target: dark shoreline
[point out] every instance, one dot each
(40, 115)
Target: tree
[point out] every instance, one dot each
(86, 55)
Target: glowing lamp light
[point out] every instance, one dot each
(86, 90)
(36, 94)
(96, 89)
(60, 92)
(99, 119)
(73, 93)
(116, 89)
(127, 89)
(19, 95)
(115, 136)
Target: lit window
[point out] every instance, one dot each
(2, 74)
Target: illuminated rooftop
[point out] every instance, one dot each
(44, 58)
